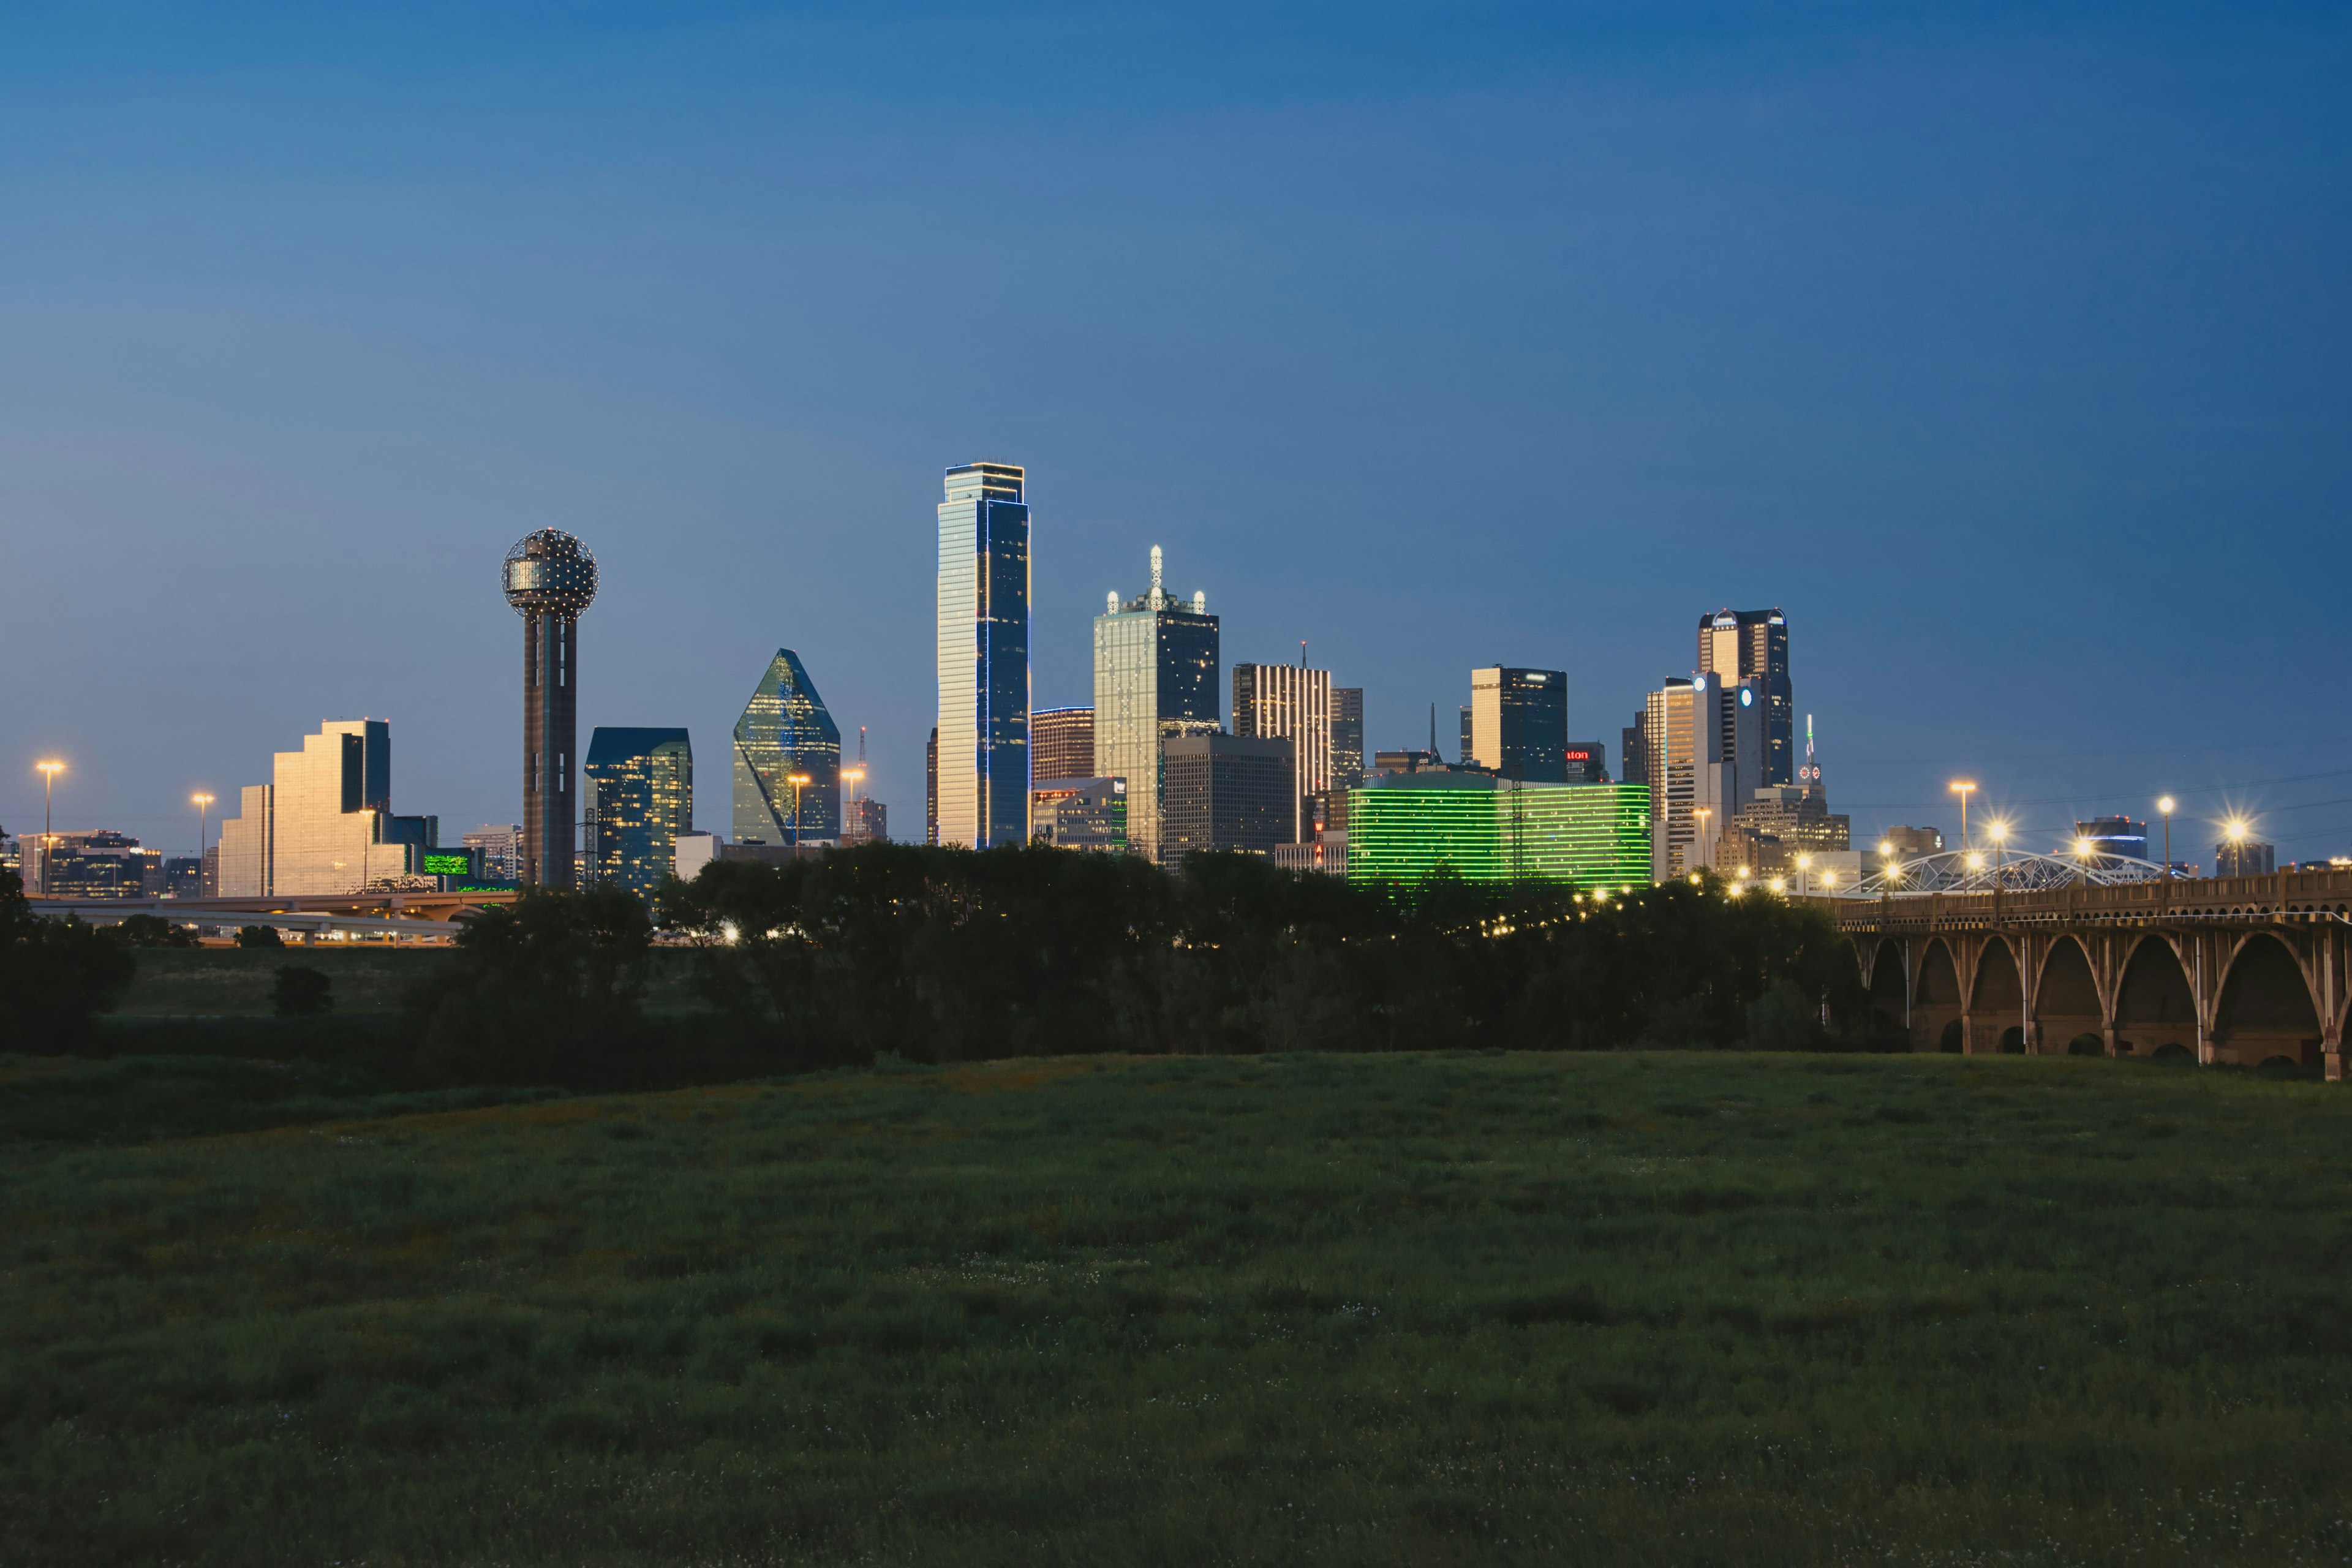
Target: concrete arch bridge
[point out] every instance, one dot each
(2246, 970)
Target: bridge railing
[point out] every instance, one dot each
(2278, 895)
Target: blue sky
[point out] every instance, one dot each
(2005, 347)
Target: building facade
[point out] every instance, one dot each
(1910, 842)
(1080, 814)
(102, 865)
(1405, 827)
(786, 732)
(550, 579)
(1704, 737)
(1226, 792)
(1156, 663)
(1289, 703)
(1062, 743)
(640, 798)
(1519, 723)
(1739, 644)
(931, 788)
(2244, 858)
(865, 821)
(2115, 835)
(1587, 761)
(324, 823)
(1347, 737)
(497, 849)
(983, 656)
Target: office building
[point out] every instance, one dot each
(2115, 835)
(1911, 843)
(1634, 750)
(550, 580)
(864, 821)
(1061, 742)
(1703, 739)
(1289, 703)
(1225, 792)
(1739, 645)
(983, 658)
(1080, 814)
(1519, 723)
(1347, 737)
(1427, 761)
(640, 798)
(1468, 751)
(497, 849)
(1156, 661)
(787, 734)
(1780, 830)
(324, 823)
(1586, 761)
(2245, 857)
(1405, 827)
(931, 788)
(101, 864)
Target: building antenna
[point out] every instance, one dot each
(1302, 653)
(1432, 729)
(861, 745)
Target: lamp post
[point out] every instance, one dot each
(1703, 812)
(1963, 788)
(798, 780)
(2084, 850)
(49, 772)
(2164, 809)
(2235, 831)
(852, 775)
(204, 804)
(1804, 872)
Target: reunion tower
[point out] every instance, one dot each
(550, 579)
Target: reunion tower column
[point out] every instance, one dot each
(550, 579)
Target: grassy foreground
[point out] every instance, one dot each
(1397, 1309)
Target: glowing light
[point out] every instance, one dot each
(1887, 847)
(1777, 884)
(52, 769)
(1804, 861)
(2164, 804)
(1976, 861)
(2085, 848)
(2236, 829)
(1997, 831)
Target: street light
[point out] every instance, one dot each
(797, 781)
(49, 772)
(852, 775)
(1703, 812)
(204, 804)
(2235, 830)
(1963, 788)
(2164, 804)
(1804, 864)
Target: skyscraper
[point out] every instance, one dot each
(786, 731)
(932, 787)
(323, 823)
(1693, 727)
(640, 798)
(983, 671)
(550, 579)
(1347, 737)
(1155, 676)
(1519, 723)
(1225, 792)
(1289, 703)
(1736, 644)
(1062, 743)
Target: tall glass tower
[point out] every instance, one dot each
(984, 793)
(550, 579)
(1155, 677)
(640, 798)
(786, 731)
(1736, 644)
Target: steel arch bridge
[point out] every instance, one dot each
(1991, 870)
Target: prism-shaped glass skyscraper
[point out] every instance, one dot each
(983, 743)
(785, 734)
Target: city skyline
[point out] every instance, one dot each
(2012, 303)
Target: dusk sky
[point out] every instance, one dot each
(2005, 347)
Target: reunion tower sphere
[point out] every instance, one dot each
(549, 572)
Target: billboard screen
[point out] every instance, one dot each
(448, 862)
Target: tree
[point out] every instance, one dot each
(258, 936)
(547, 989)
(300, 992)
(55, 976)
(150, 931)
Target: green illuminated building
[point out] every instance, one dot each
(1404, 827)
(640, 798)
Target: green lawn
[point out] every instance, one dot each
(1397, 1309)
(368, 979)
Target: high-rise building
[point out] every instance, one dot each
(640, 798)
(101, 864)
(2244, 858)
(785, 733)
(1225, 792)
(931, 788)
(2115, 835)
(496, 847)
(1519, 723)
(1405, 827)
(550, 579)
(867, 821)
(1156, 664)
(324, 823)
(1587, 761)
(1698, 729)
(1737, 644)
(1634, 750)
(1289, 703)
(1061, 743)
(983, 670)
(1080, 814)
(1347, 737)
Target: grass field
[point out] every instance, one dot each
(1645, 1309)
(368, 979)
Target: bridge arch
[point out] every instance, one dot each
(2068, 1011)
(1996, 1001)
(2266, 1010)
(1935, 999)
(1889, 982)
(2155, 1008)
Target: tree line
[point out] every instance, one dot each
(943, 955)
